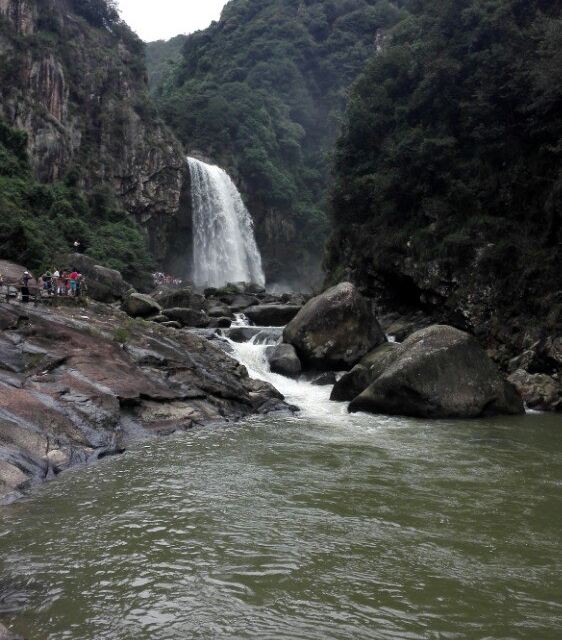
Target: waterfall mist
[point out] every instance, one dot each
(224, 245)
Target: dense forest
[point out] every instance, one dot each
(262, 92)
(448, 179)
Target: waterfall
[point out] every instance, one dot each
(224, 245)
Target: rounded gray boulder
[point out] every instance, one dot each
(139, 305)
(283, 359)
(335, 330)
(440, 372)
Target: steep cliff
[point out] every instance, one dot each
(261, 92)
(72, 76)
(447, 195)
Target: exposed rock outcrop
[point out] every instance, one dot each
(188, 317)
(184, 298)
(75, 386)
(438, 372)
(540, 391)
(103, 284)
(335, 329)
(373, 365)
(79, 91)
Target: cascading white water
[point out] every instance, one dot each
(224, 245)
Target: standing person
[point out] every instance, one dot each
(26, 279)
(2, 291)
(56, 276)
(73, 282)
(79, 285)
(48, 283)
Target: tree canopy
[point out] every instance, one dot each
(452, 149)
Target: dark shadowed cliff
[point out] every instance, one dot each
(448, 183)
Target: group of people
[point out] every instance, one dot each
(52, 283)
(161, 279)
(62, 283)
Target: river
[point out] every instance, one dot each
(320, 526)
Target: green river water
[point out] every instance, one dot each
(321, 526)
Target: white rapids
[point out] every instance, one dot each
(224, 244)
(313, 401)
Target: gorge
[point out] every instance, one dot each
(312, 385)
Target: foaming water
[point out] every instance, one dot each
(312, 400)
(317, 526)
(224, 245)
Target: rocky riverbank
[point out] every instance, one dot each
(78, 384)
(79, 381)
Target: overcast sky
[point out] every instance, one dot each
(163, 19)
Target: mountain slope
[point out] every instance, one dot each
(261, 93)
(448, 183)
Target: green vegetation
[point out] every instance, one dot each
(262, 92)
(161, 57)
(452, 152)
(40, 222)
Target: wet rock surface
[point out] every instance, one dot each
(335, 329)
(283, 359)
(438, 372)
(79, 385)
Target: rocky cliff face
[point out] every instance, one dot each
(79, 90)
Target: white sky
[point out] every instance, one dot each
(163, 19)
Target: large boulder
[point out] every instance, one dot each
(335, 329)
(101, 283)
(354, 382)
(283, 359)
(242, 301)
(12, 272)
(218, 310)
(184, 298)
(188, 317)
(440, 372)
(272, 315)
(139, 305)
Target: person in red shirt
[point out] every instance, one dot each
(73, 282)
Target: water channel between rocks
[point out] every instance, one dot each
(317, 526)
